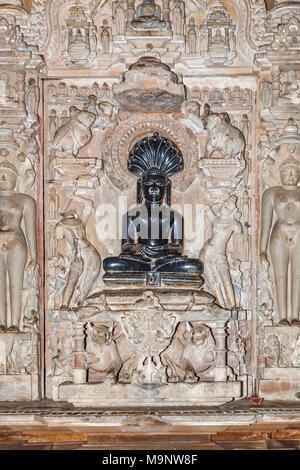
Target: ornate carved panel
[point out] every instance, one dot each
(109, 112)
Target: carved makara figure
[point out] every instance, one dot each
(222, 136)
(187, 358)
(102, 352)
(152, 232)
(284, 200)
(213, 254)
(15, 207)
(86, 262)
(75, 133)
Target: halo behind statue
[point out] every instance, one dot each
(157, 154)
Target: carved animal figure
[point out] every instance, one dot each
(223, 136)
(186, 361)
(103, 354)
(75, 133)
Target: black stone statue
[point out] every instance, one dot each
(152, 243)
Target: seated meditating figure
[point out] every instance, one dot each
(152, 243)
(148, 16)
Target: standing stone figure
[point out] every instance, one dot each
(32, 98)
(119, 17)
(191, 36)
(14, 245)
(284, 200)
(177, 18)
(246, 128)
(105, 36)
(53, 124)
(213, 253)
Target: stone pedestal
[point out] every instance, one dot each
(280, 372)
(19, 378)
(151, 347)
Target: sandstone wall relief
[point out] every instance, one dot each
(149, 180)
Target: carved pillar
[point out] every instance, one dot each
(79, 371)
(221, 353)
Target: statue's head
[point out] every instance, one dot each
(199, 335)
(8, 176)
(154, 159)
(193, 108)
(290, 172)
(154, 184)
(228, 208)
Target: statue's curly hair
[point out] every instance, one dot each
(157, 155)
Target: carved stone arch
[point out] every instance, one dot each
(127, 133)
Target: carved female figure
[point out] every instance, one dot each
(213, 253)
(86, 262)
(14, 244)
(284, 200)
